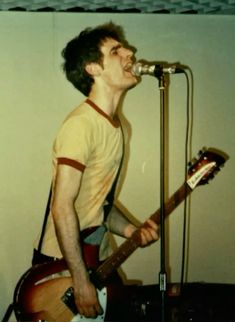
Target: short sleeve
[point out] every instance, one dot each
(73, 142)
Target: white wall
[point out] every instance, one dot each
(35, 97)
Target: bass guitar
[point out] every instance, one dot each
(43, 293)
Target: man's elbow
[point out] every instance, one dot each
(58, 209)
(62, 209)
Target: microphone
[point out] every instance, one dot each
(156, 69)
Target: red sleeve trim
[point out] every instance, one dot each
(72, 163)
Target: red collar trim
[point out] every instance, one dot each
(115, 122)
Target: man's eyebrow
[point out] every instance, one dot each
(115, 47)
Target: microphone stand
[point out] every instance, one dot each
(162, 274)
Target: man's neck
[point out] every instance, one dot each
(106, 102)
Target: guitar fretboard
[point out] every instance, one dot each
(131, 244)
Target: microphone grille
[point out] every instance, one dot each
(136, 69)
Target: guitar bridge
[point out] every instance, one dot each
(68, 299)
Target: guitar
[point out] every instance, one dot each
(39, 296)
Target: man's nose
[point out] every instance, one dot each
(128, 52)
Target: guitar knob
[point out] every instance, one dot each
(202, 151)
(192, 162)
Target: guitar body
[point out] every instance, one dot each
(44, 292)
(43, 301)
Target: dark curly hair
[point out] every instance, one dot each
(85, 49)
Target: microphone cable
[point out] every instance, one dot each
(188, 156)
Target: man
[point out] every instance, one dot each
(87, 155)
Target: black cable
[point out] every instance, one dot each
(188, 145)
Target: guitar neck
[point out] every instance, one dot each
(131, 244)
(172, 202)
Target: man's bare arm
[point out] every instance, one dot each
(119, 224)
(67, 227)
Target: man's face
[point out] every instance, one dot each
(117, 63)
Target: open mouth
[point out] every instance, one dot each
(128, 68)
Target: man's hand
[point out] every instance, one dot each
(86, 300)
(149, 232)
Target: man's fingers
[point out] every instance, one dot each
(149, 232)
(91, 312)
(99, 309)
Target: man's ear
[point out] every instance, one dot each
(93, 69)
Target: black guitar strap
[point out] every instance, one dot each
(110, 196)
(45, 220)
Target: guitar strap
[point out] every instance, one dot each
(45, 220)
(110, 196)
(107, 207)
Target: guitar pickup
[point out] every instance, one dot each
(68, 299)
